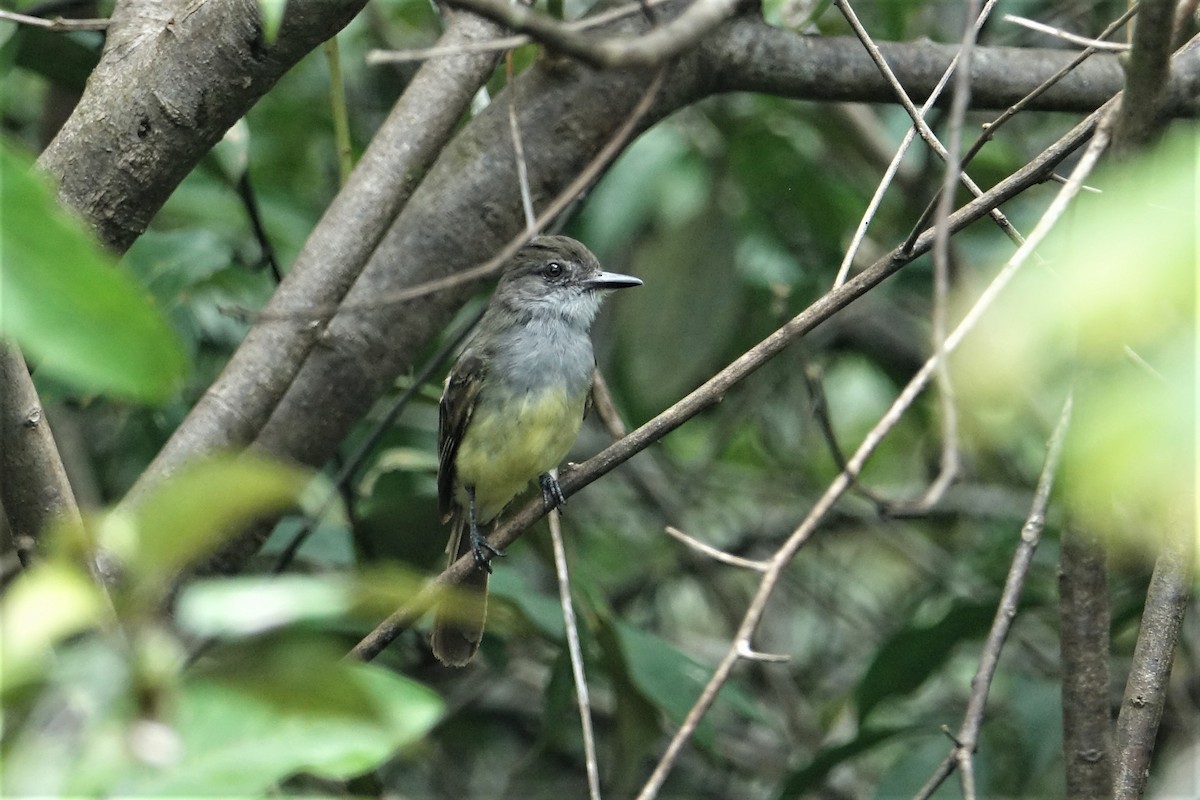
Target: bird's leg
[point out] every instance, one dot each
(479, 545)
(552, 493)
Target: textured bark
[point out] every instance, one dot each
(33, 484)
(1085, 620)
(1158, 639)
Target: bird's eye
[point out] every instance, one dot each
(553, 270)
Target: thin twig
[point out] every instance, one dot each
(717, 554)
(820, 406)
(890, 173)
(989, 129)
(872, 440)
(55, 23)
(606, 407)
(922, 127)
(1066, 36)
(337, 104)
(518, 149)
(941, 267)
(967, 738)
(576, 653)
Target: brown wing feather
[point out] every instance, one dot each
(454, 415)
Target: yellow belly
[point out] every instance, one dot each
(508, 444)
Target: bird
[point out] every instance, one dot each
(510, 410)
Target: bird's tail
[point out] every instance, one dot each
(458, 621)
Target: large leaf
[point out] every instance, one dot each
(67, 303)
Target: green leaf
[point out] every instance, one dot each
(42, 607)
(192, 513)
(293, 706)
(915, 652)
(67, 303)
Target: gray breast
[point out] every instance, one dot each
(544, 354)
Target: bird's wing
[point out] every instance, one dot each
(458, 404)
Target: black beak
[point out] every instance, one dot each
(611, 280)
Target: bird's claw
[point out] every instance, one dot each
(484, 552)
(552, 493)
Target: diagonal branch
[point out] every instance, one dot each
(1158, 639)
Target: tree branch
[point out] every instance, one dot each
(1146, 689)
(34, 489)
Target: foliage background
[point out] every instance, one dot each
(735, 212)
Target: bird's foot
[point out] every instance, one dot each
(552, 493)
(484, 551)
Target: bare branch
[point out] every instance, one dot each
(1066, 36)
(1158, 638)
(715, 553)
(571, 627)
(55, 23)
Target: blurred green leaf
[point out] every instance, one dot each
(915, 652)
(283, 707)
(192, 513)
(1126, 263)
(248, 606)
(69, 307)
(272, 15)
(43, 606)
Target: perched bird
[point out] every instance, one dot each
(511, 408)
